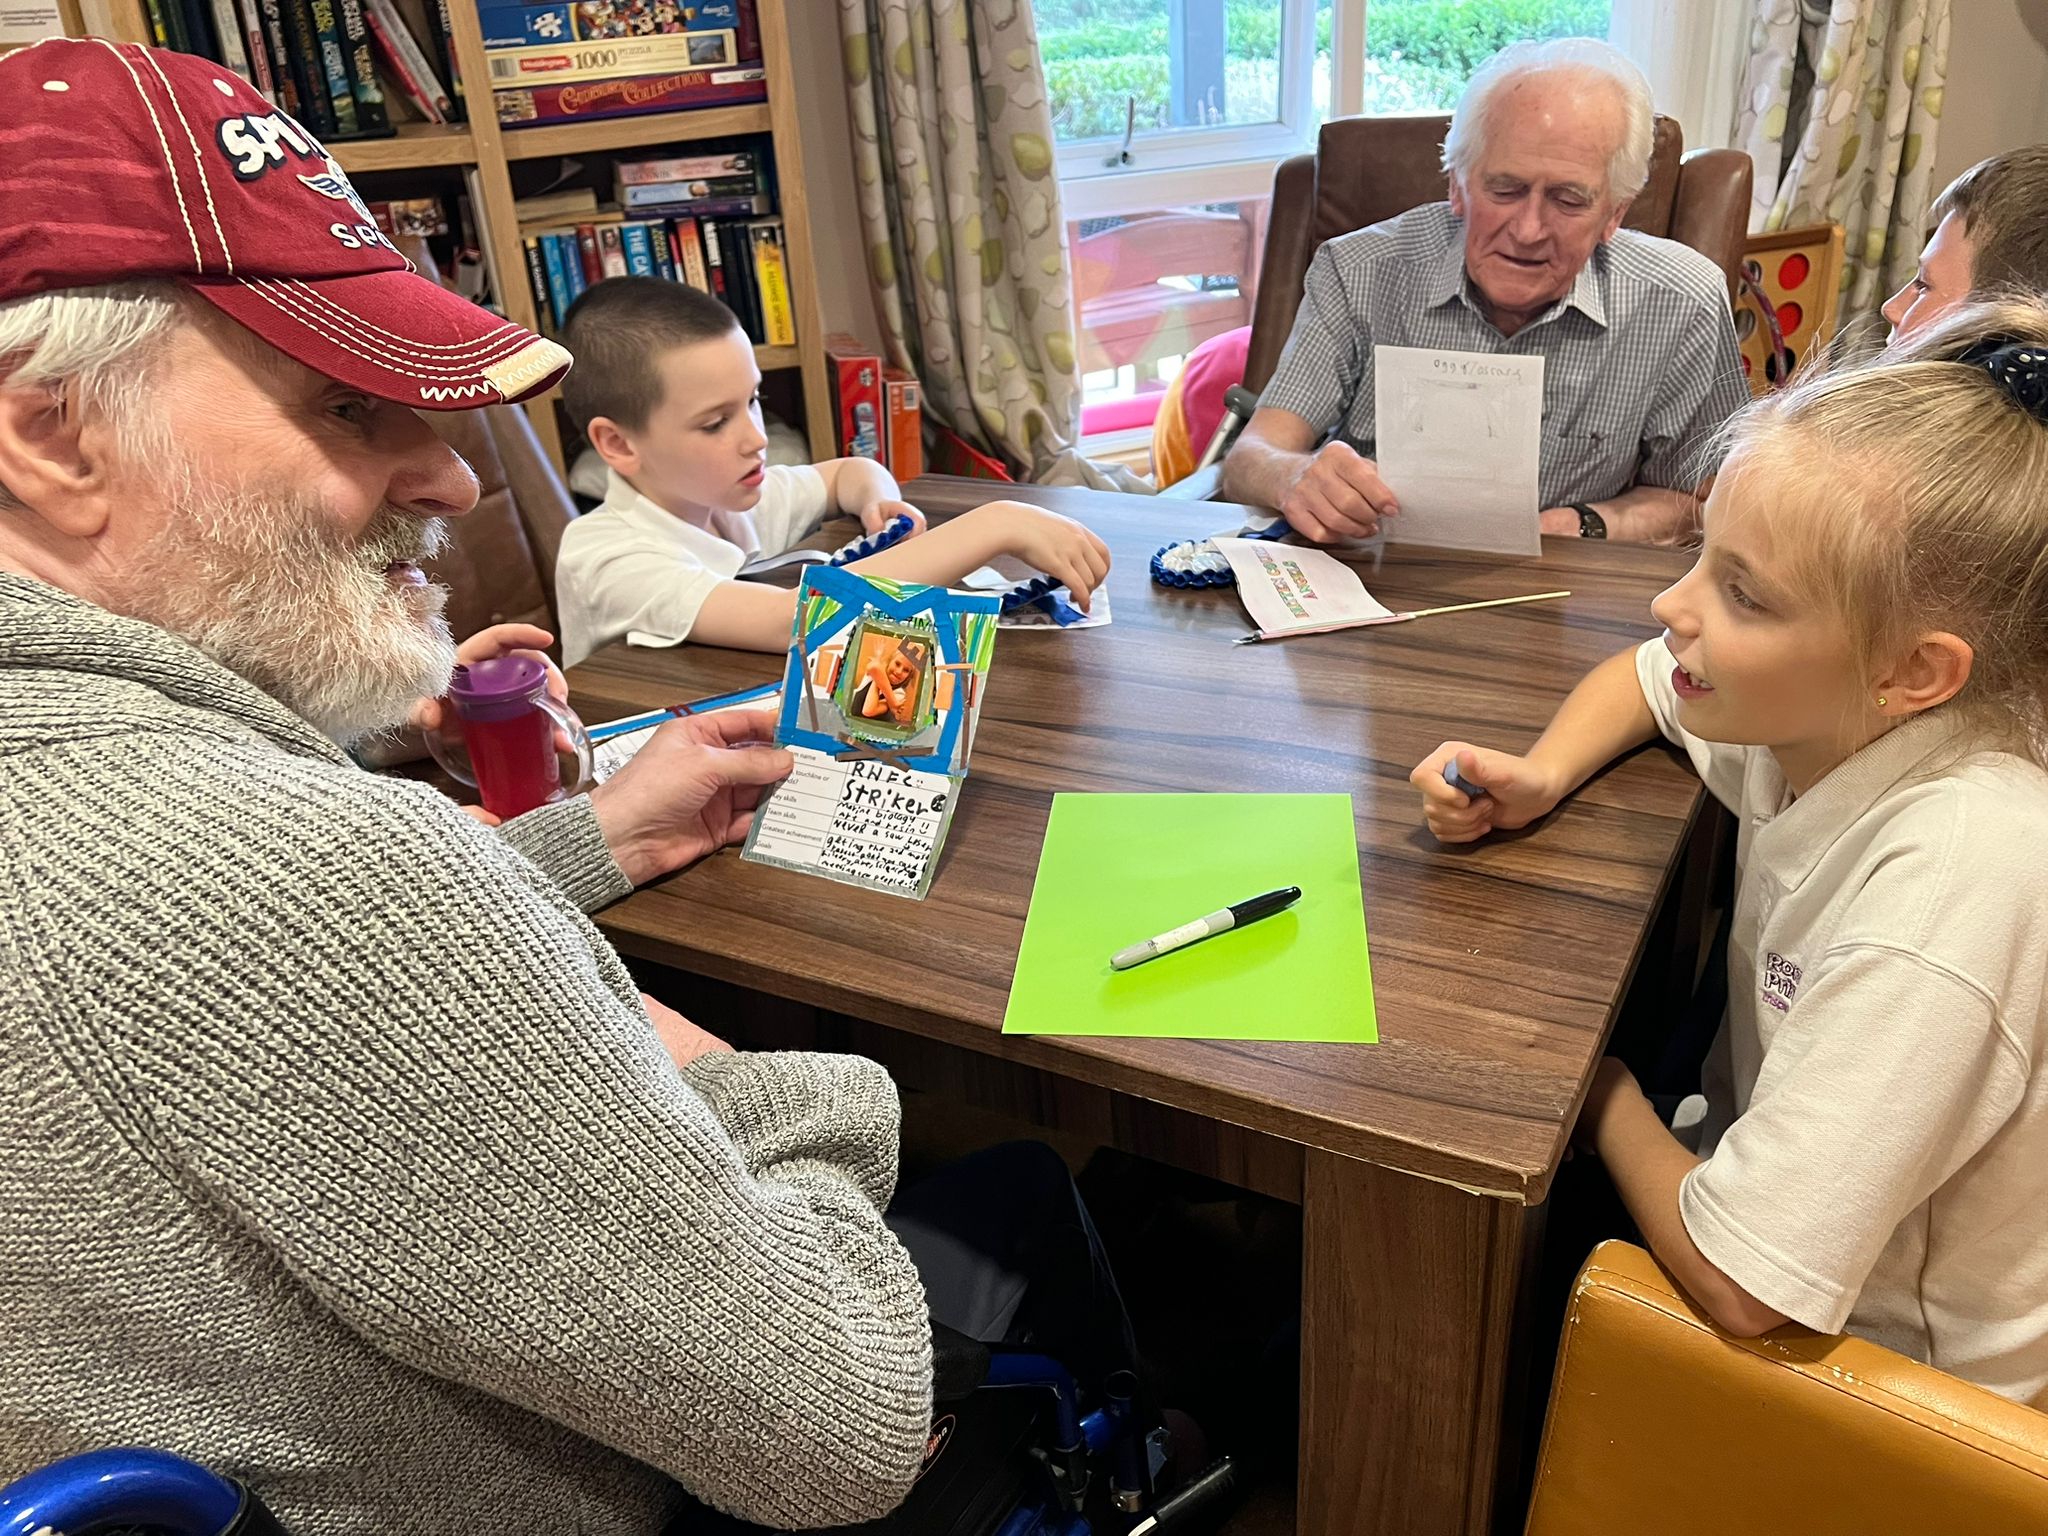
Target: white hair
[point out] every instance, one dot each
(1629, 167)
(102, 340)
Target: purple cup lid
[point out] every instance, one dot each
(499, 688)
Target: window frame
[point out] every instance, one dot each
(1211, 165)
(1178, 165)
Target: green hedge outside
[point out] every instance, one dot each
(1100, 53)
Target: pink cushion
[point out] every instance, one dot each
(1121, 415)
(1211, 369)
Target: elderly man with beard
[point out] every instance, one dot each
(339, 1151)
(1548, 145)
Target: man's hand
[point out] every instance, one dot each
(878, 514)
(1338, 495)
(1559, 522)
(683, 1041)
(488, 645)
(691, 790)
(1517, 792)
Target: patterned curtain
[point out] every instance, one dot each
(960, 208)
(1840, 106)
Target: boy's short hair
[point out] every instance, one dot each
(2003, 205)
(618, 332)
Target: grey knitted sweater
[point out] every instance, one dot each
(336, 1150)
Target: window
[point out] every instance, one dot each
(1420, 53)
(1139, 87)
(1158, 84)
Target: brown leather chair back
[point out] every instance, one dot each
(1661, 1422)
(499, 566)
(1368, 169)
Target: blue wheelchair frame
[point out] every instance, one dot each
(132, 1487)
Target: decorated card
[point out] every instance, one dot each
(879, 703)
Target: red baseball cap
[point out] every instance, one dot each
(120, 163)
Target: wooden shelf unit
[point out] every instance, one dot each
(417, 146)
(630, 132)
(490, 148)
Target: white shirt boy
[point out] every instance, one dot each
(634, 571)
(1877, 1125)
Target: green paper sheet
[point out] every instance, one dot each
(1117, 869)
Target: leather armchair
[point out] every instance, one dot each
(1661, 1422)
(1366, 169)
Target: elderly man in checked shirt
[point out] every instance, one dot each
(1528, 257)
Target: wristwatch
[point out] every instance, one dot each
(1591, 524)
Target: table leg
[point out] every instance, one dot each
(1408, 1298)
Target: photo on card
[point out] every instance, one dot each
(888, 680)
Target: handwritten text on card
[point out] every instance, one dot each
(864, 821)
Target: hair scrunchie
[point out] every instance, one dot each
(2020, 367)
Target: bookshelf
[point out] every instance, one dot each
(483, 145)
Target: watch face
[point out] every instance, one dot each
(1591, 524)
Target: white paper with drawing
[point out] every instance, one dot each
(1292, 590)
(1457, 439)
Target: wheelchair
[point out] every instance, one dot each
(1011, 1453)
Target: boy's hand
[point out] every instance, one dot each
(691, 790)
(877, 515)
(488, 645)
(1060, 547)
(1517, 792)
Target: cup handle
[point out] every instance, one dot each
(579, 741)
(455, 763)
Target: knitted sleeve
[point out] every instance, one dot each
(361, 1025)
(565, 840)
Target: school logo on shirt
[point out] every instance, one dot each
(1781, 982)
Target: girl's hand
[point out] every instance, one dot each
(877, 515)
(1518, 792)
(488, 645)
(1060, 547)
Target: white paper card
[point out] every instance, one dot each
(29, 21)
(1458, 436)
(861, 821)
(1290, 589)
(607, 757)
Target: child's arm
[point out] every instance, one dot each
(1647, 1164)
(869, 492)
(1045, 541)
(1605, 716)
(752, 616)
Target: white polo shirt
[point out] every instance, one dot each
(1877, 1125)
(634, 571)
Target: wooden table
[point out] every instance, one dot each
(1497, 969)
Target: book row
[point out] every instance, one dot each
(743, 262)
(318, 59)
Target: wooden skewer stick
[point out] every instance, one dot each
(1491, 602)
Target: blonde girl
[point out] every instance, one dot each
(1857, 665)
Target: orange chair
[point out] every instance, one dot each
(1661, 1422)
